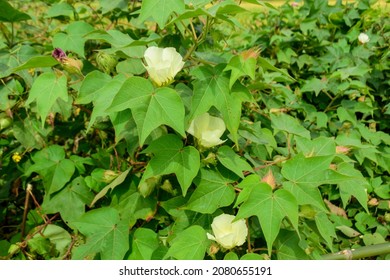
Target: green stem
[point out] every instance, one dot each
(12, 35)
(198, 40)
(359, 253)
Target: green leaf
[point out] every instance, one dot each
(76, 194)
(60, 9)
(232, 161)
(109, 5)
(150, 107)
(210, 82)
(288, 248)
(125, 128)
(91, 87)
(231, 256)
(145, 242)
(305, 194)
(315, 85)
(225, 7)
(213, 191)
(252, 257)
(57, 236)
(45, 91)
(307, 171)
(270, 208)
(37, 62)
(230, 107)
(10, 14)
(131, 205)
(103, 98)
(284, 122)
(321, 146)
(190, 244)
(351, 183)
(52, 165)
(106, 234)
(73, 38)
(117, 181)
(266, 65)
(113, 37)
(240, 67)
(30, 133)
(326, 228)
(160, 10)
(171, 157)
(304, 175)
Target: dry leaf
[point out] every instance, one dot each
(335, 209)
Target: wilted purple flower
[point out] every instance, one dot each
(59, 55)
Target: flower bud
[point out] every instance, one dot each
(251, 53)
(211, 159)
(106, 62)
(109, 176)
(147, 187)
(72, 66)
(342, 150)
(5, 123)
(167, 186)
(213, 249)
(227, 233)
(162, 64)
(269, 179)
(59, 55)
(387, 217)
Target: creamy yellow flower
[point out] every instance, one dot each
(162, 64)
(363, 38)
(207, 129)
(227, 233)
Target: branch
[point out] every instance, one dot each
(359, 253)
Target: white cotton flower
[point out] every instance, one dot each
(208, 130)
(227, 233)
(162, 64)
(363, 38)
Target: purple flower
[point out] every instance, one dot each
(59, 55)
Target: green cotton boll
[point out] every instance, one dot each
(167, 186)
(109, 175)
(5, 122)
(147, 187)
(106, 62)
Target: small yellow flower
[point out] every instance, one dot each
(16, 157)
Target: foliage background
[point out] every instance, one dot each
(86, 173)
